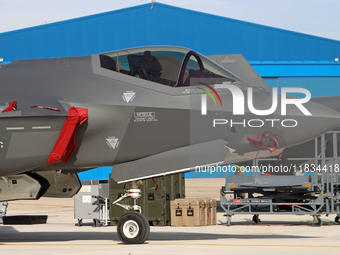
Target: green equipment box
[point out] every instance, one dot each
(155, 200)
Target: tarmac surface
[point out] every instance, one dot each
(287, 234)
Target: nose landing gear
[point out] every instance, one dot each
(132, 227)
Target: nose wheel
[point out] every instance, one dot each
(133, 228)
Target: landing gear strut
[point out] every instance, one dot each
(132, 227)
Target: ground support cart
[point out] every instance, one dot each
(92, 202)
(314, 189)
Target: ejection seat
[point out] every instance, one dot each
(145, 66)
(150, 67)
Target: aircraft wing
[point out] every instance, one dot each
(183, 159)
(239, 66)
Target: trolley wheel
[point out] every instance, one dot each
(256, 218)
(97, 223)
(80, 222)
(337, 219)
(317, 222)
(133, 228)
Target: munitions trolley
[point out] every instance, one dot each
(312, 188)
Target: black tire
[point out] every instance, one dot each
(80, 222)
(337, 220)
(96, 223)
(133, 228)
(256, 218)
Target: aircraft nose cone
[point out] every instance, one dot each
(244, 132)
(304, 128)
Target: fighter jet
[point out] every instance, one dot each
(146, 111)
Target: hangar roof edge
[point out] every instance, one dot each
(170, 7)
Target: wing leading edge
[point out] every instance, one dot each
(173, 161)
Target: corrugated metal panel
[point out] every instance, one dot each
(164, 25)
(100, 173)
(297, 69)
(318, 87)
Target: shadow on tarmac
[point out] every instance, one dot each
(9, 234)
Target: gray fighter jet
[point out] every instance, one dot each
(147, 112)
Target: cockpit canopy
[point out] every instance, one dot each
(171, 66)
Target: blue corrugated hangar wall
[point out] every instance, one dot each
(284, 58)
(164, 24)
